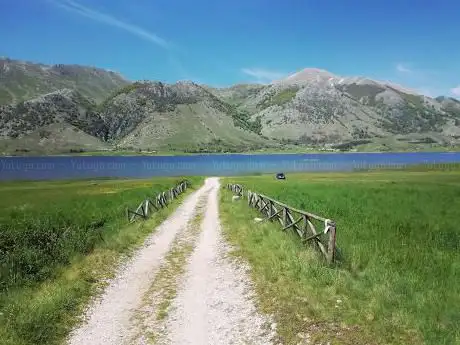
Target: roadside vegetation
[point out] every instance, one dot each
(397, 279)
(59, 241)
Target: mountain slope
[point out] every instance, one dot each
(63, 106)
(181, 115)
(21, 80)
(236, 94)
(68, 107)
(54, 138)
(450, 105)
(142, 115)
(316, 107)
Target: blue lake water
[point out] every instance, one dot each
(67, 167)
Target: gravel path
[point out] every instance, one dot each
(213, 303)
(108, 319)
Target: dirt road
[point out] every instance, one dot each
(180, 288)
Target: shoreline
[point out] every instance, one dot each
(249, 153)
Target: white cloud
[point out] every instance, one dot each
(263, 75)
(455, 91)
(402, 68)
(105, 18)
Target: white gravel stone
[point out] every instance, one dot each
(215, 302)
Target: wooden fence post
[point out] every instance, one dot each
(143, 211)
(284, 216)
(146, 208)
(331, 243)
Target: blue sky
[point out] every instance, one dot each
(220, 42)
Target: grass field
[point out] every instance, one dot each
(398, 280)
(58, 242)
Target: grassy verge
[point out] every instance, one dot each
(398, 234)
(59, 241)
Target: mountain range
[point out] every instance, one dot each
(71, 108)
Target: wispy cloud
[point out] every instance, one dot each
(430, 82)
(403, 68)
(84, 11)
(263, 75)
(455, 91)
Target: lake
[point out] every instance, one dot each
(68, 167)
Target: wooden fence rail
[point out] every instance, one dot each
(160, 201)
(301, 222)
(237, 189)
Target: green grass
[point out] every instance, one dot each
(398, 281)
(286, 149)
(280, 98)
(58, 241)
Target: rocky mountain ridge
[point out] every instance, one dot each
(21, 80)
(315, 106)
(142, 115)
(99, 109)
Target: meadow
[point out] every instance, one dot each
(59, 241)
(397, 280)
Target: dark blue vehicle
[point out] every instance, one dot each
(280, 176)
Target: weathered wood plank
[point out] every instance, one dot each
(261, 204)
(146, 208)
(312, 227)
(152, 204)
(138, 209)
(318, 241)
(134, 214)
(292, 224)
(330, 257)
(274, 214)
(311, 237)
(266, 205)
(257, 201)
(293, 209)
(278, 214)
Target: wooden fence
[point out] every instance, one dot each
(237, 189)
(301, 222)
(160, 201)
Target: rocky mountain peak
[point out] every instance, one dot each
(308, 75)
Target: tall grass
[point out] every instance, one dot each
(398, 233)
(58, 240)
